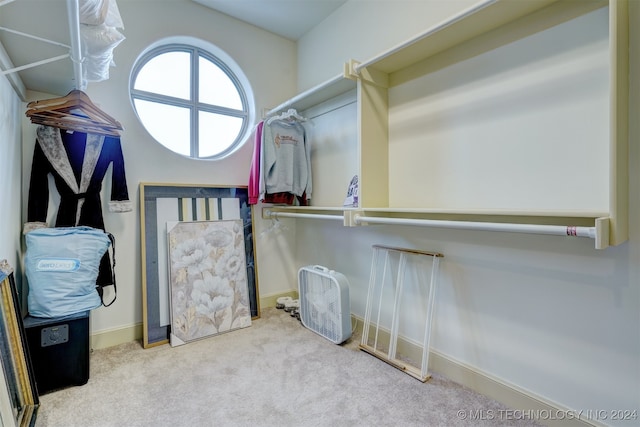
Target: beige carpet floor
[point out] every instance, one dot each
(273, 373)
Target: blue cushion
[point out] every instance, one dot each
(62, 266)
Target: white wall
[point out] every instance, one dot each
(267, 60)
(10, 177)
(363, 30)
(550, 316)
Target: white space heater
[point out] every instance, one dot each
(324, 302)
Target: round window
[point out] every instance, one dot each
(192, 98)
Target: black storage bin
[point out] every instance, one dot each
(59, 349)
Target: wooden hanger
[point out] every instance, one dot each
(75, 111)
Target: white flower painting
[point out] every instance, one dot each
(208, 279)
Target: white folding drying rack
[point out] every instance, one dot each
(387, 312)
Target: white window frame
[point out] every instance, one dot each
(198, 48)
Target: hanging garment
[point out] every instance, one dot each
(286, 161)
(254, 172)
(285, 198)
(78, 162)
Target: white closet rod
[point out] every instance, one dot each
(73, 13)
(556, 230)
(276, 215)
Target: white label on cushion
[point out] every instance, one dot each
(58, 264)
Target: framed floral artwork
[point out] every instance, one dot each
(161, 204)
(209, 294)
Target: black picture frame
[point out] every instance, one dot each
(188, 195)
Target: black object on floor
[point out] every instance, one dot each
(59, 349)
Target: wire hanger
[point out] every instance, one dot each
(75, 111)
(275, 227)
(291, 113)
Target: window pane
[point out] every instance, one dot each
(216, 87)
(217, 133)
(169, 125)
(162, 92)
(167, 74)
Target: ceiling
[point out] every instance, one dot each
(288, 18)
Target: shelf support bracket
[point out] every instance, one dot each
(602, 233)
(351, 218)
(350, 70)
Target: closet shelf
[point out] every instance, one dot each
(402, 181)
(330, 89)
(476, 21)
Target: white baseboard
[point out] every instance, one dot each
(525, 405)
(269, 301)
(109, 338)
